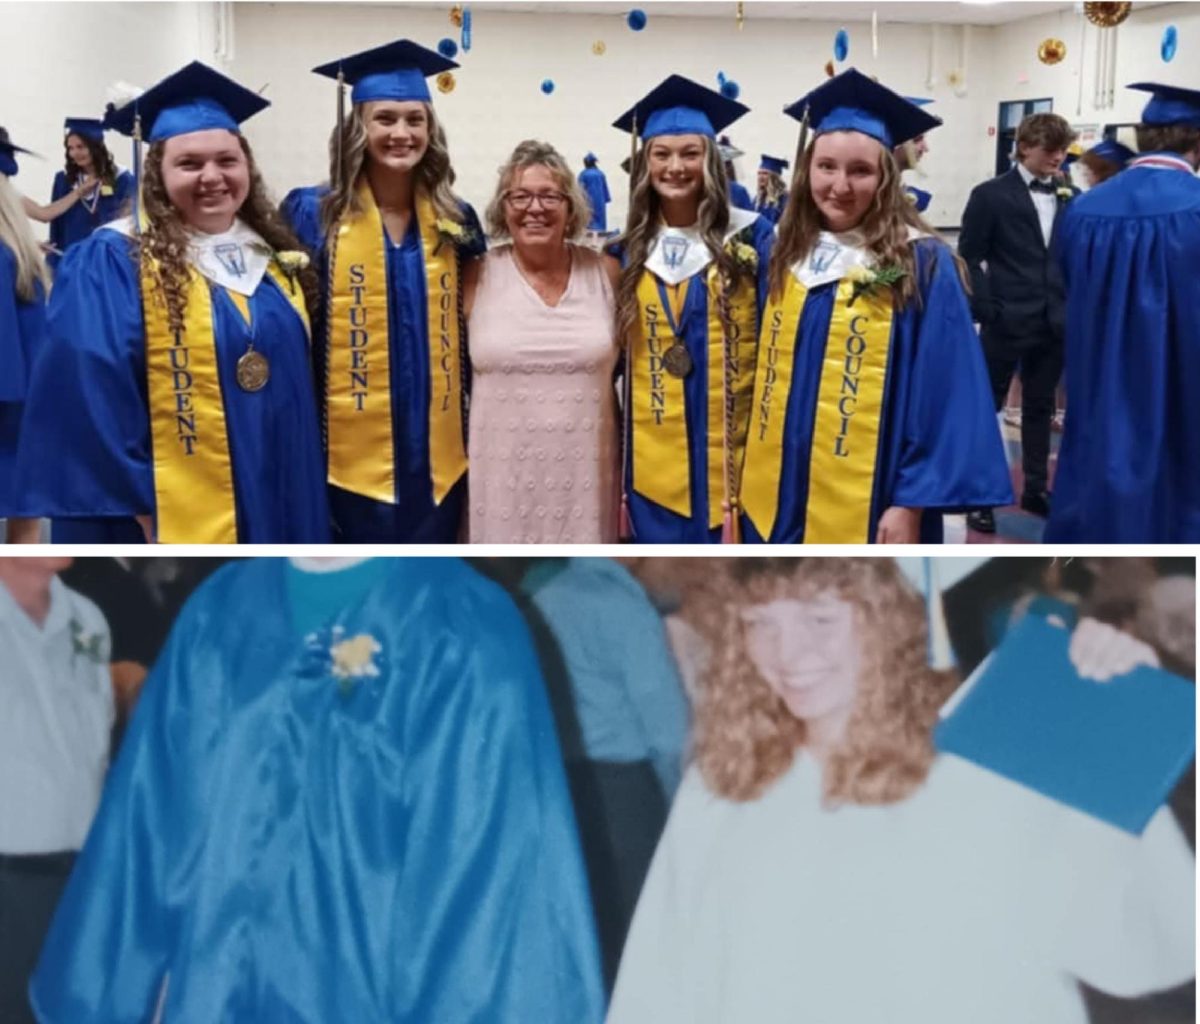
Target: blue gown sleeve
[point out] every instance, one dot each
(764, 242)
(57, 228)
(14, 367)
(85, 445)
(607, 194)
(494, 896)
(301, 208)
(106, 955)
(478, 243)
(951, 456)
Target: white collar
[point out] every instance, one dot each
(236, 259)
(1028, 176)
(333, 564)
(677, 254)
(831, 258)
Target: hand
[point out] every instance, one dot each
(88, 183)
(899, 526)
(147, 525)
(1102, 652)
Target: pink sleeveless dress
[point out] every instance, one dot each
(544, 435)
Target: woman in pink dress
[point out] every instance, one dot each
(543, 447)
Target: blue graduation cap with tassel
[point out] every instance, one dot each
(84, 127)
(8, 154)
(1169, 104)
(853, 102)
(679, 106)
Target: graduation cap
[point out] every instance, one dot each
(394, 71)
(774, 164)
(1169, 104)
(8, 151)
(84, 127)
(1111, 149)
(727, 149)
(853, 102)
(919, 101)
(194, 99)
(590, 159)
(679, 106)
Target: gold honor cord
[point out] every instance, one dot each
(193, 473)
(845, 444)
(447, 449)
(358, 393)
(661, 459)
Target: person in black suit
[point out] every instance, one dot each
(1019, 298)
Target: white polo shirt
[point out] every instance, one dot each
(56, 713)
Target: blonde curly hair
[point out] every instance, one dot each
(533, 153)
(745, 737)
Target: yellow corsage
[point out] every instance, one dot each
(452, 232)
(106, 190)
(866, 279)
(354, 657)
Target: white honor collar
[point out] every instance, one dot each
(833, 256)
(676, 254)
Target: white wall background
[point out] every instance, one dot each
(65, 54)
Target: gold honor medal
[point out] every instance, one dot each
(677, 360)
(253, 371)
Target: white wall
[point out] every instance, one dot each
(58, 59)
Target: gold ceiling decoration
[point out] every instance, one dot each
(445, 82)
(1106, 15)
(1052, 51)
(456, 15)
(599, 47)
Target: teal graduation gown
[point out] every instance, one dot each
(85, 454)
(412, 518)
(280, 844)
(939, 446)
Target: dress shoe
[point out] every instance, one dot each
(1036, 503)
(981, 521)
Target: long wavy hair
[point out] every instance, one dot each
(774, 189)
(746, 738)
(165, 237)
(434, 174)
(884, 227)
(643, 222)
(16, 233)
(103, 164)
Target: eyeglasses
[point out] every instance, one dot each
(524, 200)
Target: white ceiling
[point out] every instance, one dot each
(980, 12)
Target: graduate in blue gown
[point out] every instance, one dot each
(686, 253)
(595, 185)
(173, 398)
(772, 189)
(739, 196)
(908, 154)
(1129, 466)
(340, 799)
(111, 197)
(394, 392)
(872, 413)
(24, 281)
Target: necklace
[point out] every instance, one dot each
(91, 204)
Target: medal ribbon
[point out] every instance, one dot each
(358, 394)
(845, 442)
(661, 461)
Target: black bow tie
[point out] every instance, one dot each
(1042, 186)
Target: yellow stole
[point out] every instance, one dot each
(193, 472)
(845, 441)
(358, 394)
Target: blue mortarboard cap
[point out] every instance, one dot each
(8, 152)
(194, 99)
(590, 158)
(852, 102)
(395, 71)
(1111, 149)
(919, 101)
(679, 106)
(1170, 104)
(774, 164)
(87, 127)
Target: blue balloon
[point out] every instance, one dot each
(466, 29)
(841, 45)
(447, 48)
(730, 89)
(636, 19)
(547, 86)
(1170, 43)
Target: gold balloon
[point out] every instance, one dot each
(446, 82)
(598, 47)
(1052, 51)
(1106, 15)
(456, 16)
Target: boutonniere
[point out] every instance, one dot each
(1064, 192)
(347, 660)
(451, 232)
(106, 190)
(87, 645)
(289, 261)
(869, 278)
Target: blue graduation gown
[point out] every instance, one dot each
(22, 327)
(1129, 466)
(595, 185)
(739, 196)
(78, 222)
(773, 211)
(85, 447)
(281, 846)
(920, 198)
(413, 518)
(939, 446)
(651, 522)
